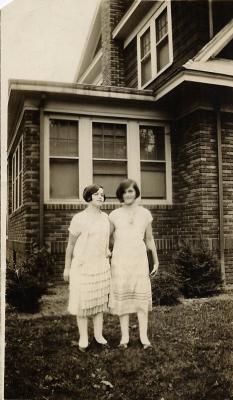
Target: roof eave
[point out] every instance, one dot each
(80, 90)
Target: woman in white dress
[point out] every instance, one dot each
(130, 226)
(87, 265)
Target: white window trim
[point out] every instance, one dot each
(125, 160)
(86, 157)
(167, 161)
(47, 157)
(151, 24)
(15, 179)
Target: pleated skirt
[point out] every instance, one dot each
(89, 287)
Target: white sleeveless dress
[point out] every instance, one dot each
(131, 284)
(89, 282)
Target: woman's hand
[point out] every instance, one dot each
(154, 270)
(66, 274)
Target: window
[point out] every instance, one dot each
(17, 172)
(145, 57)
(80, 150)
(109, 155)
(63, 159)
(155, 46)
(153, 162)
(162, 48)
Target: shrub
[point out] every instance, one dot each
(198, 270)
(166, 288)
(27, 281)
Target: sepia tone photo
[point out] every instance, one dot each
(117, 199)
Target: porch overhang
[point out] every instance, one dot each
(194, 75)
(81, 90)
(79, 99)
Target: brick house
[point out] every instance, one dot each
(152, 100)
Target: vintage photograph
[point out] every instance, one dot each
(117, 158)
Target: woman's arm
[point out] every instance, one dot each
(150, 244)
(68, 257)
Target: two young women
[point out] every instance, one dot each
(95, 286)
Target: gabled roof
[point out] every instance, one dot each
(91, 44)
(132, 17)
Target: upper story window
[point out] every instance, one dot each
(145, 55)
(17, 172)
(162, 47)
(154, 44)
(63, 159)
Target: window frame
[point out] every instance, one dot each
(86, 156)
(166, 161)
(47, 197)
(153, 51)
(16, 203)
(114, 160)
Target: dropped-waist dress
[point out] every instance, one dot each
(89, 280)
(131, 284)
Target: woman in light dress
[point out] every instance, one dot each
(87, 266)
(130, 226)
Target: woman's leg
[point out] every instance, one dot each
(143, 325)
(83, 331)
(98, 328)
(124, 323)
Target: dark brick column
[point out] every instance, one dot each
(112, 60)
(195, 178)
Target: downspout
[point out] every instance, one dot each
(220, 192)
(41, 212)
(211, 27)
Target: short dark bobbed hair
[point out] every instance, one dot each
(90, 190)
(125, 184)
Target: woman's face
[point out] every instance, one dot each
(130, 195)
(98, 198)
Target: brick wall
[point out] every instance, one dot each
(194, 211)
(112, 59)
(23, 223)
(195, 174)
(227, 154)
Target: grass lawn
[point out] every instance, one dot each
(192, 358)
